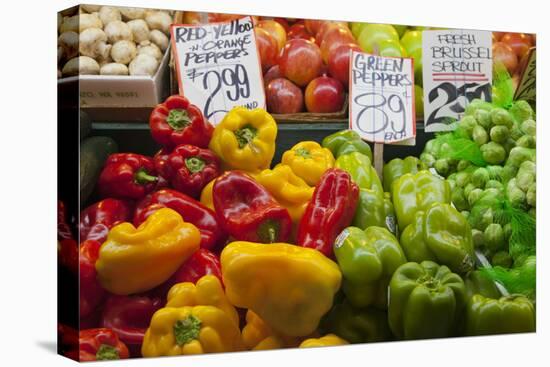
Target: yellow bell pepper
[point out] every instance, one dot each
(308, 160)
(207, 292)
(134, 260)
(191, 330)
(287, 188)
(325, 341)
(245, 139)
(289, 287)
(257, 335)
(206, 195)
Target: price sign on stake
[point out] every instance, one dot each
(382, 98)
(218, 66)
(527, 87)
(457, 67)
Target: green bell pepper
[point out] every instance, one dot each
(508, 314)
(345, 142)
(415, 192)
(356, 325)
(477, 283)
(398, 167)
(440, 234)
(362, 172)
(367, 260)
(426, 300)
(374, 209)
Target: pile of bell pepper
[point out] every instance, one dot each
(211, 247)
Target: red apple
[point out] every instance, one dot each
(497, 36)
(283, 22)
(274, 72)
(298, 30)
(300, 61)
(519, 42)
(502, 53)
(338, 61)
(327, 26)
(333, 38)
(267, 48)
(313, 25)
(283, 96)
(276, 30)
(324, 95)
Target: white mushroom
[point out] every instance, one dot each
(113, 68)
(104, 60)
(90, 8)
(108, 14)
(80, 22)
(140, 30)
(159, 39)
(59, 20)
(150, 49)
(68, 43)
(93, 43)
(143, 65)
(82, 65)
(132, 13)
(117, 30)
(123, 51)
(159, 20)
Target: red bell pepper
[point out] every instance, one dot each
(189, 168)
(127, 176)
(191, 211)
(330, 210)
(247, 210)
(176, 122)
(160, 159)
(201, 263)
(97, 219)
(91, 292)
(63, 229)
(67, 255)
(100, 344)
(129, 318)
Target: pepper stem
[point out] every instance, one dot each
(194, 164)
(142, 177)
(302, 152)
(268, 230)
(178, 119)
(187, 330)
(245, 135)
(106, 352)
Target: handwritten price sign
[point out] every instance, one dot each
(218, 66)
(457, 67)
(382, 98)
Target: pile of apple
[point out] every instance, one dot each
(512, 50)
(305, 64)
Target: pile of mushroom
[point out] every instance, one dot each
(108, 40)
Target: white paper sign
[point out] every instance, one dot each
(382, 98)
(457, 68)
(527, 87)
(218, 66)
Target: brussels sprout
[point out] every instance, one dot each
(521, 111)
(486, 219)
(442, 166)
(452, 184)
(468, 189)
(427, 159)
(515, 132)
(473, 196)
(480, 177)
(532, 212)
(483, 118)
(515, 194)
(480, 136)
(528, 167)
(509, 171)
(465, 213)
(462, 178)
(494, 184)
(495, 172)
(493, 237)
(524, 180)
(529, 127)
(507, 229)
(467, 124)
(531, 195)
(502, 258)
(526, 141)
(430, 146)
(499, 133)
(499, 116)
(491, 194)
(477, 105)
(518, 155)
(508, 145)
(459, 200)
(478, 238)
(493, 153)
(462, 165)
